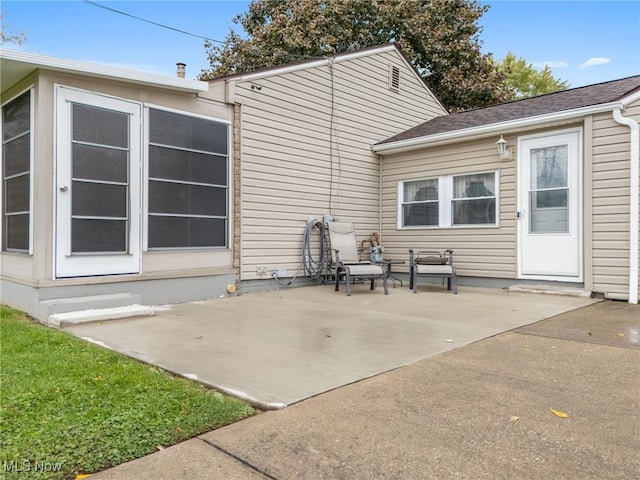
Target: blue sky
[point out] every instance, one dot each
(584, 42)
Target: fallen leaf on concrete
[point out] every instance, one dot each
(558, 413)
(449, 340)
(159, 447)
(621, 334)
(514, 418)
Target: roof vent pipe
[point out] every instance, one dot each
(181, 69)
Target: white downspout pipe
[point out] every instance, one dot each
(633, 202)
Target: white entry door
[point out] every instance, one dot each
(549, 207)
(97, 185)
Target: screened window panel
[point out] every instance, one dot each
(16, 156)
(186, 199)
(99, 200)
(167, 232)
(100, 163)
(420, 214)
(172, 164)
(16, 232)
(470, 186)
(17, 194)
(16, 117)
(549, 167)
(100, 126)
(177, 130)
(98, 235)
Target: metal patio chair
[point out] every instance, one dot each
(429, 263)
(344, 258)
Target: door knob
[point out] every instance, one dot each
(64, 188)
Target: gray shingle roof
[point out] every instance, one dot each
(544, 104)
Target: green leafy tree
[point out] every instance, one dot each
(522, 80)
(439, 37)
(7, 36)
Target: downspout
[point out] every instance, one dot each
(634, 195)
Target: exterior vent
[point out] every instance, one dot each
(394, 78)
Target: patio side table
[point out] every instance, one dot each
(389, 262)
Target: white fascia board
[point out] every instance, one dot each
(251, 76)
(104, 71)
(493, 128)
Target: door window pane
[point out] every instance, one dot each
(100, 126)
(99, 189)
(99, 200)
(549, 167)
(100, 163)
(98, 235)
(548, 196)
(16, 173)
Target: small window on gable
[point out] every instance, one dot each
(394, 78)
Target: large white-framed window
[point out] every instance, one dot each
(188, 180)
(16, 188)
(464, 200)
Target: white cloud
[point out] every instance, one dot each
(593, 61)
(550, 64)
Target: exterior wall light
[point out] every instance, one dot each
(504, 152)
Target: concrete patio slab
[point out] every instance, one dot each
(278, 348)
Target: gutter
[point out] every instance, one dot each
(495, 128)
(634, 195)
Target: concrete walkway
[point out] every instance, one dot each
(478, 412)
(278, 348)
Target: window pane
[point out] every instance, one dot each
(420, 214)
(474, 212)
(99, 200)
(174, 164)
(17, 232)
(549, 211)
(167, 232)
(17, 194)
(166, 197)
(16, 117)
(100, 126)
(421, 190)
(549, 167)
(469, 186)
(174, 129)
(549, 198)
(90, 235)
(16, 156)
(100, 163)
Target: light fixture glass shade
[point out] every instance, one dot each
(501, 145)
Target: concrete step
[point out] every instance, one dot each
(90, 302)
(96, 315)
(551, 290)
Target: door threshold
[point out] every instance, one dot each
(550, 289)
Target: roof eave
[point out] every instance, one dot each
(37, 61)
(416, 143)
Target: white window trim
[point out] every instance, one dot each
(32, 104)
(445, 198)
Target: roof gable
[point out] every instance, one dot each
(564, 101)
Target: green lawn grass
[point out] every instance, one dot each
(69, 407)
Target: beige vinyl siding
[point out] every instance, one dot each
(610, 218)
(478, 251)
(291, 160)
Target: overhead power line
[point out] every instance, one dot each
(95, 4)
